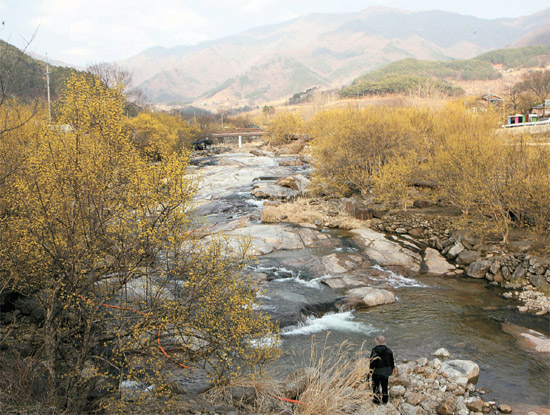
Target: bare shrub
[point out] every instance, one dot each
(23, 383)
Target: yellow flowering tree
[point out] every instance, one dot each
(283, 127)
(351, 146)
(493, 178)
(106, 241)
(160, 134)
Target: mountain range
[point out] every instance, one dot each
(327, 50)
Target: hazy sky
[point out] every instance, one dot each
(81, 32)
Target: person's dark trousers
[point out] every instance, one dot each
(380, 383)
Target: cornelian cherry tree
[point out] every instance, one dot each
(106, 240)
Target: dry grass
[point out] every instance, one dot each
(263, 391)
(334, 383)
(310, 211)
(339, 385)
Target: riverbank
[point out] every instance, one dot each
(526, 275)
(302, 248)
(436, 385)
(322, 270)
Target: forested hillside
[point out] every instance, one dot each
(412, 74)
(25, 77)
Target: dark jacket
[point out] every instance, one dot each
(381, 361)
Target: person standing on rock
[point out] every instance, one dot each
(381, 367)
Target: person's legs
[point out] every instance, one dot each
(376, 384)
(384, 385)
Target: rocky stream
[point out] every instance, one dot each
(358, 283)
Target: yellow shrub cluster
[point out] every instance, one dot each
(384, 150)
(283, 127)
(351, 146)
(159, 134)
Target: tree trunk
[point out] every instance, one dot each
(50, 342)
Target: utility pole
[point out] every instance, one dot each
(48, 86)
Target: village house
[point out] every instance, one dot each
(493, 99)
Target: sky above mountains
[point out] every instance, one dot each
(82, 32)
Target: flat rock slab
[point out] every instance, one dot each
(273, 191)
(387, 253)
(266, 238)
(436, 263)
(527, 338)
(313, 238)
(230, 172)
(340, 263)
(346, 282)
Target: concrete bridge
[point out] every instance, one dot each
(242, 135)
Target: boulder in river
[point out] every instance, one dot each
(286, 319)
(455, 369)
(298, 182)
(370, 297)
(436, 263)
(505, 409)
(387, 253)
(467, 256)
(441, 352)
(478, 269)
(273, 191)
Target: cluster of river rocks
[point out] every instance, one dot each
(449, 252)
(438, 386)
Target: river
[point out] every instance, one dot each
(462, 315)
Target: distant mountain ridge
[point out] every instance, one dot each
(410, 74)
(330, 50)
